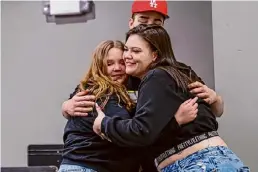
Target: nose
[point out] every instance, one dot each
(151, 21)
(117, 67)
(127, 55)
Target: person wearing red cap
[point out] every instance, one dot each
(143, 12)
(148, 12)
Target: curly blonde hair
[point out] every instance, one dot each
(97, 80)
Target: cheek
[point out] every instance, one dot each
(135, 23)
(109, 70)
(146, 61)
(123, 68)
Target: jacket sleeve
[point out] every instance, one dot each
(74, 92)
(114, 109)
(156, 106)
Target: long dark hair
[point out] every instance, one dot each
(159, 42)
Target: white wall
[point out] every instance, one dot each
(42, 63)
(235, 35)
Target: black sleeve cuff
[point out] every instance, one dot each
(104, 122)
(174, 124)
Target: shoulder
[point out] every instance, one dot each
(159, 76)
(113, 107)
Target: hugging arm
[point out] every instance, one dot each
(154, 111)
(209, 96)
(80, 103)
(202, 91)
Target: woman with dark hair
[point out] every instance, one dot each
(195, 146)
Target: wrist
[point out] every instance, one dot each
(217, 99)
(178, 120)
(218, 106)
(64, 108)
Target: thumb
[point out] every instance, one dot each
(83, 93)
(98, 109)
(187, 101)
(193, 101)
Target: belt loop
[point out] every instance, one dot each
(209, 144)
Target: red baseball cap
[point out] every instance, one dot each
(159, 6)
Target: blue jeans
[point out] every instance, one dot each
(74, 168)
(211, 159)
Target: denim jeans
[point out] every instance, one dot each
(74, 168)
(211, 159)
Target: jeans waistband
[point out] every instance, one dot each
(184, 145)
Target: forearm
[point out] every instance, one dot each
(124, 133)
(218, 107)
(153, 112)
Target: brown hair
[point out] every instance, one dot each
(97, 80)
(159, 42)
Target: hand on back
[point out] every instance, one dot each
(80, 105)
(202, 91)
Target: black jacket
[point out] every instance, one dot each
(83, 147)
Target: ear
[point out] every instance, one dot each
(131, 23)
(155, 56)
